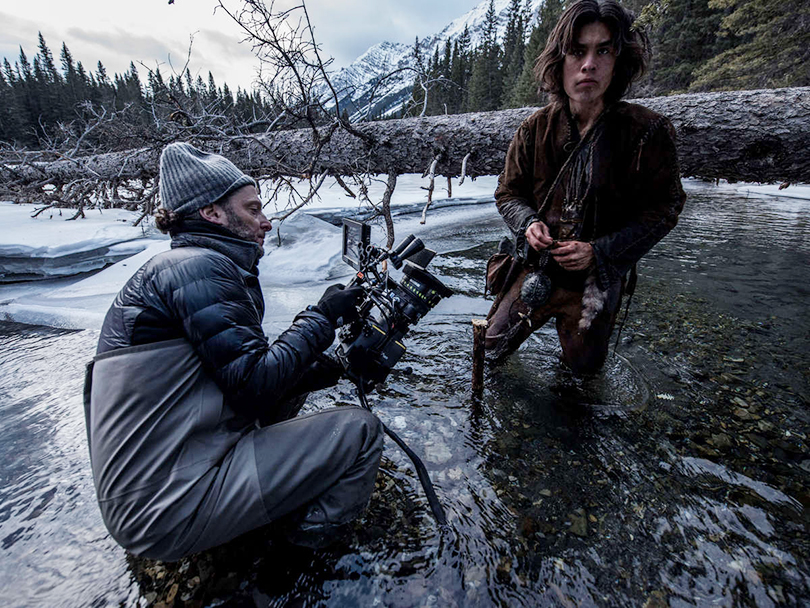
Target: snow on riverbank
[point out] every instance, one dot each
(799, 191)
(49, 246)
(55, 250)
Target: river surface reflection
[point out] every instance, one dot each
(679, 477)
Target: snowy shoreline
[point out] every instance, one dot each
(82, 264)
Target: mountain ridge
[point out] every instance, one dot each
(379, 81)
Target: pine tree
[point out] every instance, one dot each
(24, 67)
(435, 89)
(460, 72)
(101, 75)
(132, 89)
(212, 94)
(685, 38)
(27, 100)
(227, 98)
(9, 73)
(445, 90)
(524, 92)
(74, 91)
(774, 47)
(514, 44)
(68, 67)
(155, 86)
(9, 112)
(486, 82)
(82, 81)
(190, 91)
(48, 66)
(201, 90)
(418, 92)
(39, 94)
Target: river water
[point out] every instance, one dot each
(678, 477)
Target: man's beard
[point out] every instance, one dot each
(238, 226)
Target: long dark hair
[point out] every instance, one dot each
(632, 47)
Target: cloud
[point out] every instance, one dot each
(227, 59)
(16, 33)
(212, 50)
(121, 43)
(117, 38)
(347, 29)
(118, 33)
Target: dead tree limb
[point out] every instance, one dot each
(431, 175)
(304, 201)
(758, 136)
(464, 168)
(390, 186)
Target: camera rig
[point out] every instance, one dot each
(371, 346)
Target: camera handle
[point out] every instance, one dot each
(421, 471)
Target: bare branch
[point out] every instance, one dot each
(343, 185)
(431, 175)
(87, 130)
(313, 191)
(464, 169)
(390, 185)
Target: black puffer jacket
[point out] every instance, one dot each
(206, 290)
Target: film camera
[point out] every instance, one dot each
(371, 346)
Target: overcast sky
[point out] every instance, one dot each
(154, 32)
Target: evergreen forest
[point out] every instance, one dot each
(698, 45)
(42, 105)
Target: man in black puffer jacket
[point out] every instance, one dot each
(191, 412)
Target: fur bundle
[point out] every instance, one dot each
(593, 300)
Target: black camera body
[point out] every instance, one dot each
(373, 344)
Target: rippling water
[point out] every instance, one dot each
(55, 550)
(678, 477)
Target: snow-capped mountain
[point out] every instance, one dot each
(381, 79)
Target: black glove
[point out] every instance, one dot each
(338, 304)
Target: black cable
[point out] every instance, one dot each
(421, 471)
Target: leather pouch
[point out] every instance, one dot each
(497, 271)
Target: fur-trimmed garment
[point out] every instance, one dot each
(620, 190)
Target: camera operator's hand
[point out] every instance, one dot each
(338, 304)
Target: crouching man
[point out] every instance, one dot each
(191, 412)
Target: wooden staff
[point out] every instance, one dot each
(479, 334)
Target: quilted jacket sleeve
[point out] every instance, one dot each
(211, 299)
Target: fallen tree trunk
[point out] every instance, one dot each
(754, 136)
(759, 136)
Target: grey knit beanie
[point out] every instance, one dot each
(190, 179)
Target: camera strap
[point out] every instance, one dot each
(421, 471)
